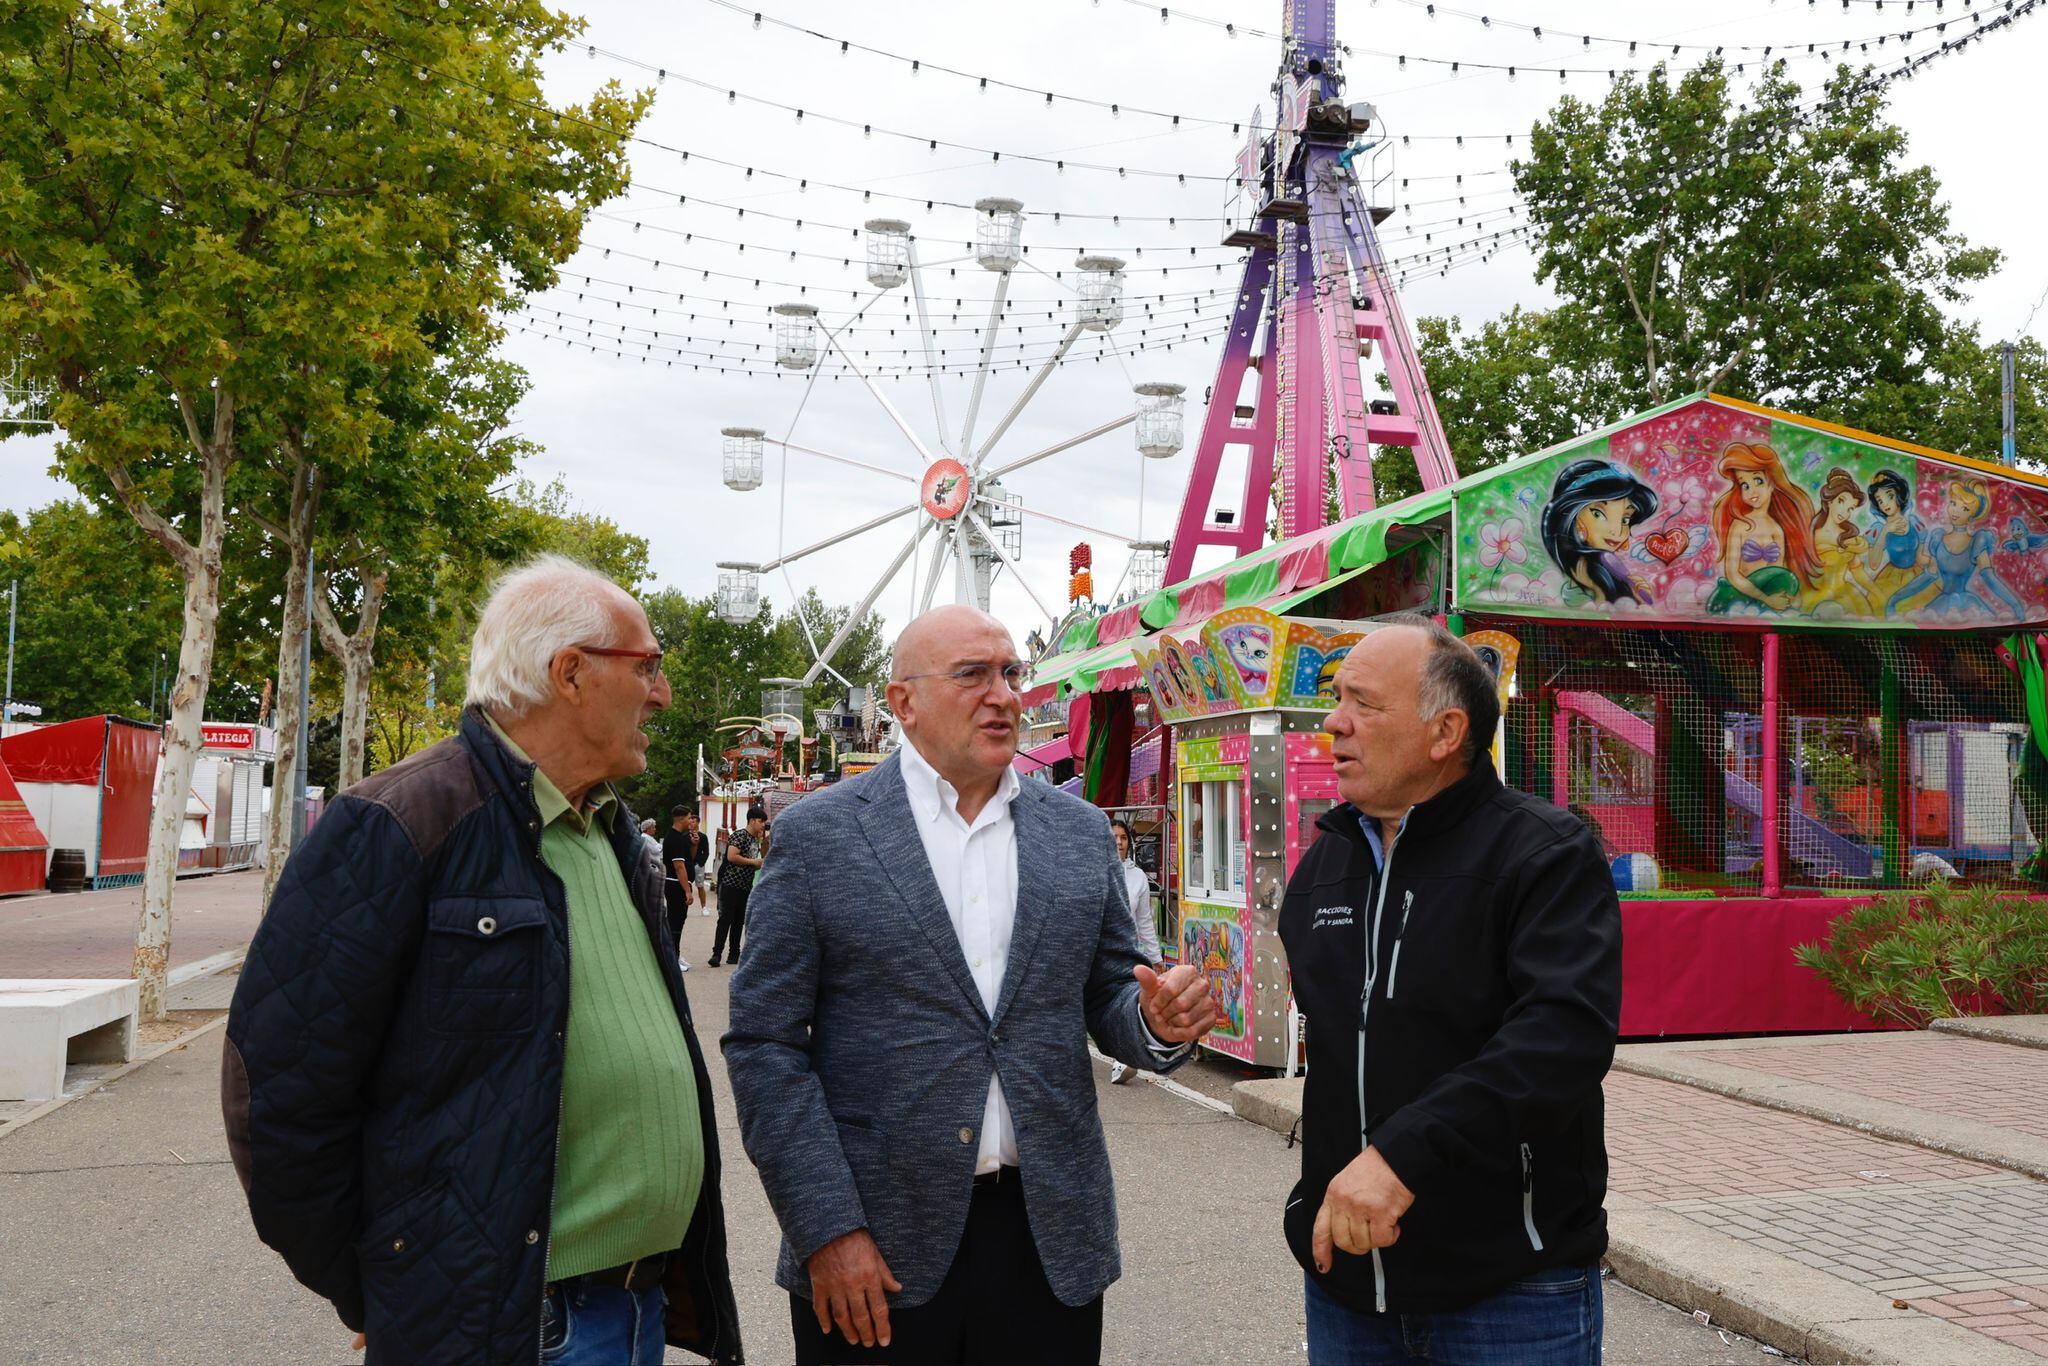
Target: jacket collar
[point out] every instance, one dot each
(514, 774)
(1441, 812)
(889, 821)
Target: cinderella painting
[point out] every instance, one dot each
(1587, 524)
(1960, 554)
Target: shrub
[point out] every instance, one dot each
(1937, 953)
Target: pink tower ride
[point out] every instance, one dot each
(1315, 294)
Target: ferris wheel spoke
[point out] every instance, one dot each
(924, 337)
(846, 535)
(1030, 511)
(988, 348)
(1021, 461)
(995, 544)
(1045, 368)
(860, 613)
(946, 546)
(842, 459)
(880, 397)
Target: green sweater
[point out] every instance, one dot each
(632, 1154)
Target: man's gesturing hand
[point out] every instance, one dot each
(1177, 1005)
(848, 1284)
(1362, 1209)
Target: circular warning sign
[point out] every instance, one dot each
(944, 490)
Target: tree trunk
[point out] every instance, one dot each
(357, 655)
(291, 643)
(200, 563)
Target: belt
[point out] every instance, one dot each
(643, 1273)
(996, 1177)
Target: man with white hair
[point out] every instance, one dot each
(462, 1086)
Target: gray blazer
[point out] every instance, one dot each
(860, 1052)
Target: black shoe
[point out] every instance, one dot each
(714, 960)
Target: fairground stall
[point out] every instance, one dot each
(88, 784)
(223, 828)
(24, 853)
(1775, 665)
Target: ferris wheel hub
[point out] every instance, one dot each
(945, 489)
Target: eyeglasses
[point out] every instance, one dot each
(975, 677)
(649, 667)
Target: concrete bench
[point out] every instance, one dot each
(46, 1022)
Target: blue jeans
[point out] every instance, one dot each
(602, 1325)
(1551, 1318)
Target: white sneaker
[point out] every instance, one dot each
(1118, 1073)
(685, 963)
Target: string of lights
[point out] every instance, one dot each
(919, 65)
(1586, 41)
(1429, 262)
(734, 95)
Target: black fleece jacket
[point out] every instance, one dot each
(1486, 1023)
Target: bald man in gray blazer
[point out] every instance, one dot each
(932, 943)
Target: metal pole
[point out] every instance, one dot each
(13, 594)
(305, 715)
(2008, 384)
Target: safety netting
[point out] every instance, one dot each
(1713, 761)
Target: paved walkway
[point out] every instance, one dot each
(1867, 1198)
(92, 934)
(1776, 1144)
(129, 1186)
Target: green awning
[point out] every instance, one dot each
(1363, 541)
(1252, 580)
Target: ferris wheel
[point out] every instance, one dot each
(957, 500)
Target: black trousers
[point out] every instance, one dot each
(993, 1309)
(732, 919)
(677, 897)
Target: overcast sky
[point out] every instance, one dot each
(638, 440)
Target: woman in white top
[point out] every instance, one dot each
(1138, 891)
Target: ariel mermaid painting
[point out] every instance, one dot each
(1763, 523)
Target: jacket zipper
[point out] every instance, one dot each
(547, 1255)
(1529, 1199)
(1372, 972)
(1394, 968)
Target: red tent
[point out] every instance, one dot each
(115, 757)
(23, 850)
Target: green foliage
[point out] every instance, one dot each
(1513, 387)
(97, 627)
(1694, 242)
(1946, 951)
(715, 670)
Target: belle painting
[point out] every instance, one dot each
(1840, 548)
(1763, 522)
(1587, 524)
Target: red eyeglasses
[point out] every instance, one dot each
(649, 667)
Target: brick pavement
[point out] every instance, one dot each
(1992, 1083)
(1953, 1239)
(92, 934)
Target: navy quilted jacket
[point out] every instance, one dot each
(392, 1080)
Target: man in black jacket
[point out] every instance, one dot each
(1456, 949)
(467, 1167)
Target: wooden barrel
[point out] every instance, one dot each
(67, 870)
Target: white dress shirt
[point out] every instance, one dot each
(976, 869)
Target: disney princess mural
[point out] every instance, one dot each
(1900, 554)
(1587, 525)
(1841, 549)
(1960, 554)
(1764, 524)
